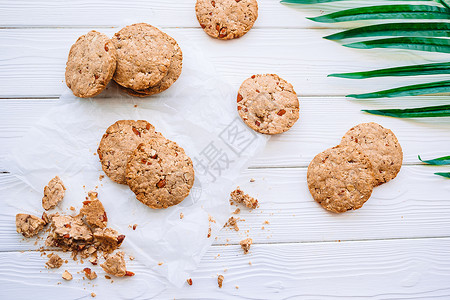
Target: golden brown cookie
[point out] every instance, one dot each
(115, 264)
(91, 64)
(160, 173)
(341, 178)
(143, 56)
(53, 193)
(29, 225)
(226, 19)
(93, 211)
(119, 141)
(380, 145)
(268, 104)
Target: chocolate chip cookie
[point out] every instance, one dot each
(91, 64)
(160, 173)
(341, 178)
(119, 141)
(226, 19)
(268, 104)
(143, 56)
(380, 145)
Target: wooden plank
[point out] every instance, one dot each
(33, 60)
(415, 204)
(400, 269)
(180, 13)
(323, 120)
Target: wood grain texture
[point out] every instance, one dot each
(33, 60)
(323, 121)
(415, 204)
(401, 269)
(179, 13)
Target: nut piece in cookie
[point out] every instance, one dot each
(119, 142)
(160, 173)
(28, 225)
(115, 264)
(91, 64)
(341, 178)
(238, 196)
(54, 261)
(226, 19)
(93, 211)
(268, 104)
(108, 239)
(380, 145)
(245, 245)
(68, 233)
(143, 56)
(53, 193)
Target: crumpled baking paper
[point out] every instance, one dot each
(198, 112)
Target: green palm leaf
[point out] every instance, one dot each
(401, 11)
(395, 29)
(409, 43)
(447, 175)
(445, 160)
(427, 69)
(420, 112)
(409, 90)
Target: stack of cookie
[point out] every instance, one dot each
(156, 169)
(342, 178)
(140, 58)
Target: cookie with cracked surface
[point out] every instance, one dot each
(119, 142)
(54, 261)
(226, 19)
(380, 145)
(29, 225)
(268, 104)
(341, 178)
(160, 173)
(53, 193)
(91, 64)
(143, 56)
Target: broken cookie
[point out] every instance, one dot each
(69, 233)
(220, 280)
(28, 225)
(115, 265)
(89, 273)
(67, 276)
(238, 196)
(53, 193)
(108, 239)
(94, 212)
(54, 261)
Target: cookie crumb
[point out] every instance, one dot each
(237, 211)
(67, 276)
(250, 263)
(107, 277)
(181, 215)
(131, 257)
(189, 281)
(134, 226)
(237, 287)
(93, 211)
(72, 208)
(101, 177)
(232, 223)
(89, 273)
(220, 280)
(209, 232)
(238, 196)
(252, 180)
(160, 263)
(94, 261)
(93, 295)
(54, 261)
(245, 245)
(266, 222)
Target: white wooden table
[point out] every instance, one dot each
(396, 246)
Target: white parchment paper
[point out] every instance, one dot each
(198, 112)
